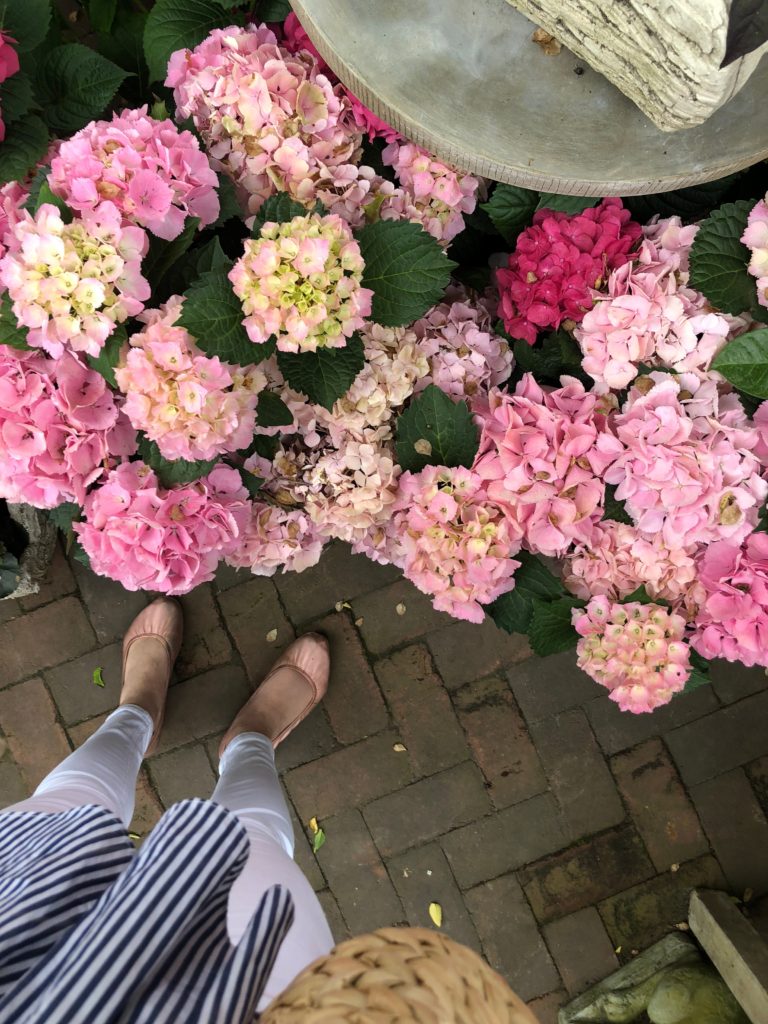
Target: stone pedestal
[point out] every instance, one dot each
(29, 534)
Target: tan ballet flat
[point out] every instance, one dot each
(162, 620)
(307, 657)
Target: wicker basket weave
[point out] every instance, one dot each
(398, 976)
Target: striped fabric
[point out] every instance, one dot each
(92, 934)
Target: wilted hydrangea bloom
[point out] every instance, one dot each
(71, 283)
(637, 651)
(277, 538)
(301, 281)
(192, 405)
(755, 237)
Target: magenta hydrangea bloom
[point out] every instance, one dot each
(71, 283)
(454, 544)
(755, 237)
(370, 124)
(732, 620)
(277, 538)
(169, 540)
(557, 264)
(155, 174)
(637, 651)
(59, 425)
(9, 65)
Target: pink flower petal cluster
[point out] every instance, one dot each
(269, 118)
(542, 460)
(370, 124)
(454, 544)
(71, 283)
(154, 174)
(301, 281)
(295, 38)
(277, 538)
(12, 199)
(9, 65)
(732, 619)
(619, 559)
(169, 540)
(58, 426)
(465, 356)
(692, 480)
(755, 237)
(192, 405)
(558, 262)
(637, 651)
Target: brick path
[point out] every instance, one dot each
(558, 834)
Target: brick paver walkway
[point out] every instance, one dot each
(558, 834)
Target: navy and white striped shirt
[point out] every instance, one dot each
(93, 933)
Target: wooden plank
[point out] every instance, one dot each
(734, 947)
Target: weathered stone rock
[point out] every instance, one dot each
(40, 544)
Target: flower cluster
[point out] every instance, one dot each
(192, 406)
(71, 283)
(301, 281)
(452, 542)
(637, 651)
(755, 237)
(165, 539)
(12, 199)
(276, 538)
(558, 262)
(269, 118)
(59, 425)
(154, 174)
(9, 65)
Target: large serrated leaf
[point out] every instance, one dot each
(16, 97)
(615, 509)
(405, 267)
(550, 630)
(270, 10)
(75, 84)
(177, 25)
(511, 209)
(163, 254)
(214, 317)
(10, 332)
(744, 362)
(566, 204)
(719, 259)
(101, 14)
(229, 206)
(172, 471)
(106, 361)
(326, 375)
(271, 411)
(278, 208)
(552, 356)
(26, 21)
(513, 610)
(435, 431)
(24, 145)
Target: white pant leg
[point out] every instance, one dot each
(102, 771)
(249, 787)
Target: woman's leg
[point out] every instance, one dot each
(250, 788)
(103, 771)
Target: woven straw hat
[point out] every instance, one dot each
(398, 976)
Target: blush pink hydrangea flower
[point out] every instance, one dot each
(169, 540)
(9, 65)
(692, 480)
(277, 538)
(71, 283)
(59, 425)
(269, 118)
(455, 544)
(192, 405)
(637, 651)
(155, 174)
(732, 620)
(542, 462)
(301, 281)
(433, 194)
(558, 262)
(465, 355)
(755, 237)
(12, 199)
(295, 38)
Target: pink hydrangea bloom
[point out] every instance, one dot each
(732, 621)
(694, 479)
(465, 356)
(12, 199)
(456, 545)
(153, 173)
(192, 405)
(269, 118)
(301, 281)
(432, 193)
(59, 424)
(71, 283)
(370, 124)
(170, 540)
(755, 237)
(296, 38)
(557, 263)
(619, 559)
(760, 420)
(277, 538)
(542, 462)
(9, 65)
(637, 651)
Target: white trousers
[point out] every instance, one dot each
(103, 771)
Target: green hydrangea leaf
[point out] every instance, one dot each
(511, 209)
(64, 515)
(101, 14)
(163, 255)
(45, 195)
(17, 98)
(251, 482)
(550, 630)
(326, 375)
(229, 206)
(214, 317)
(699, 672)
(26, 21)
(406, 268)
(10, 332)
(278, 208)
(744, 362)
(172, 471)
(552, 356)
(691, 203)
(75, 84)
(435, 431)
(513, 611)
(176, 25)
(271, 411)
(615, 509)
(106, 361)
(566, 204)
(718, 259)
(24, 145)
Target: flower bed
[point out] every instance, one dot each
(235, 333)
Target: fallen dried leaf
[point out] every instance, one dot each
(359, 622)
(399, 748)
(318, 841)
(271, 636)
(423, 447)
(98, 680)
(400, 609)
(313, 826)
(547, 42)
(436, 914)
